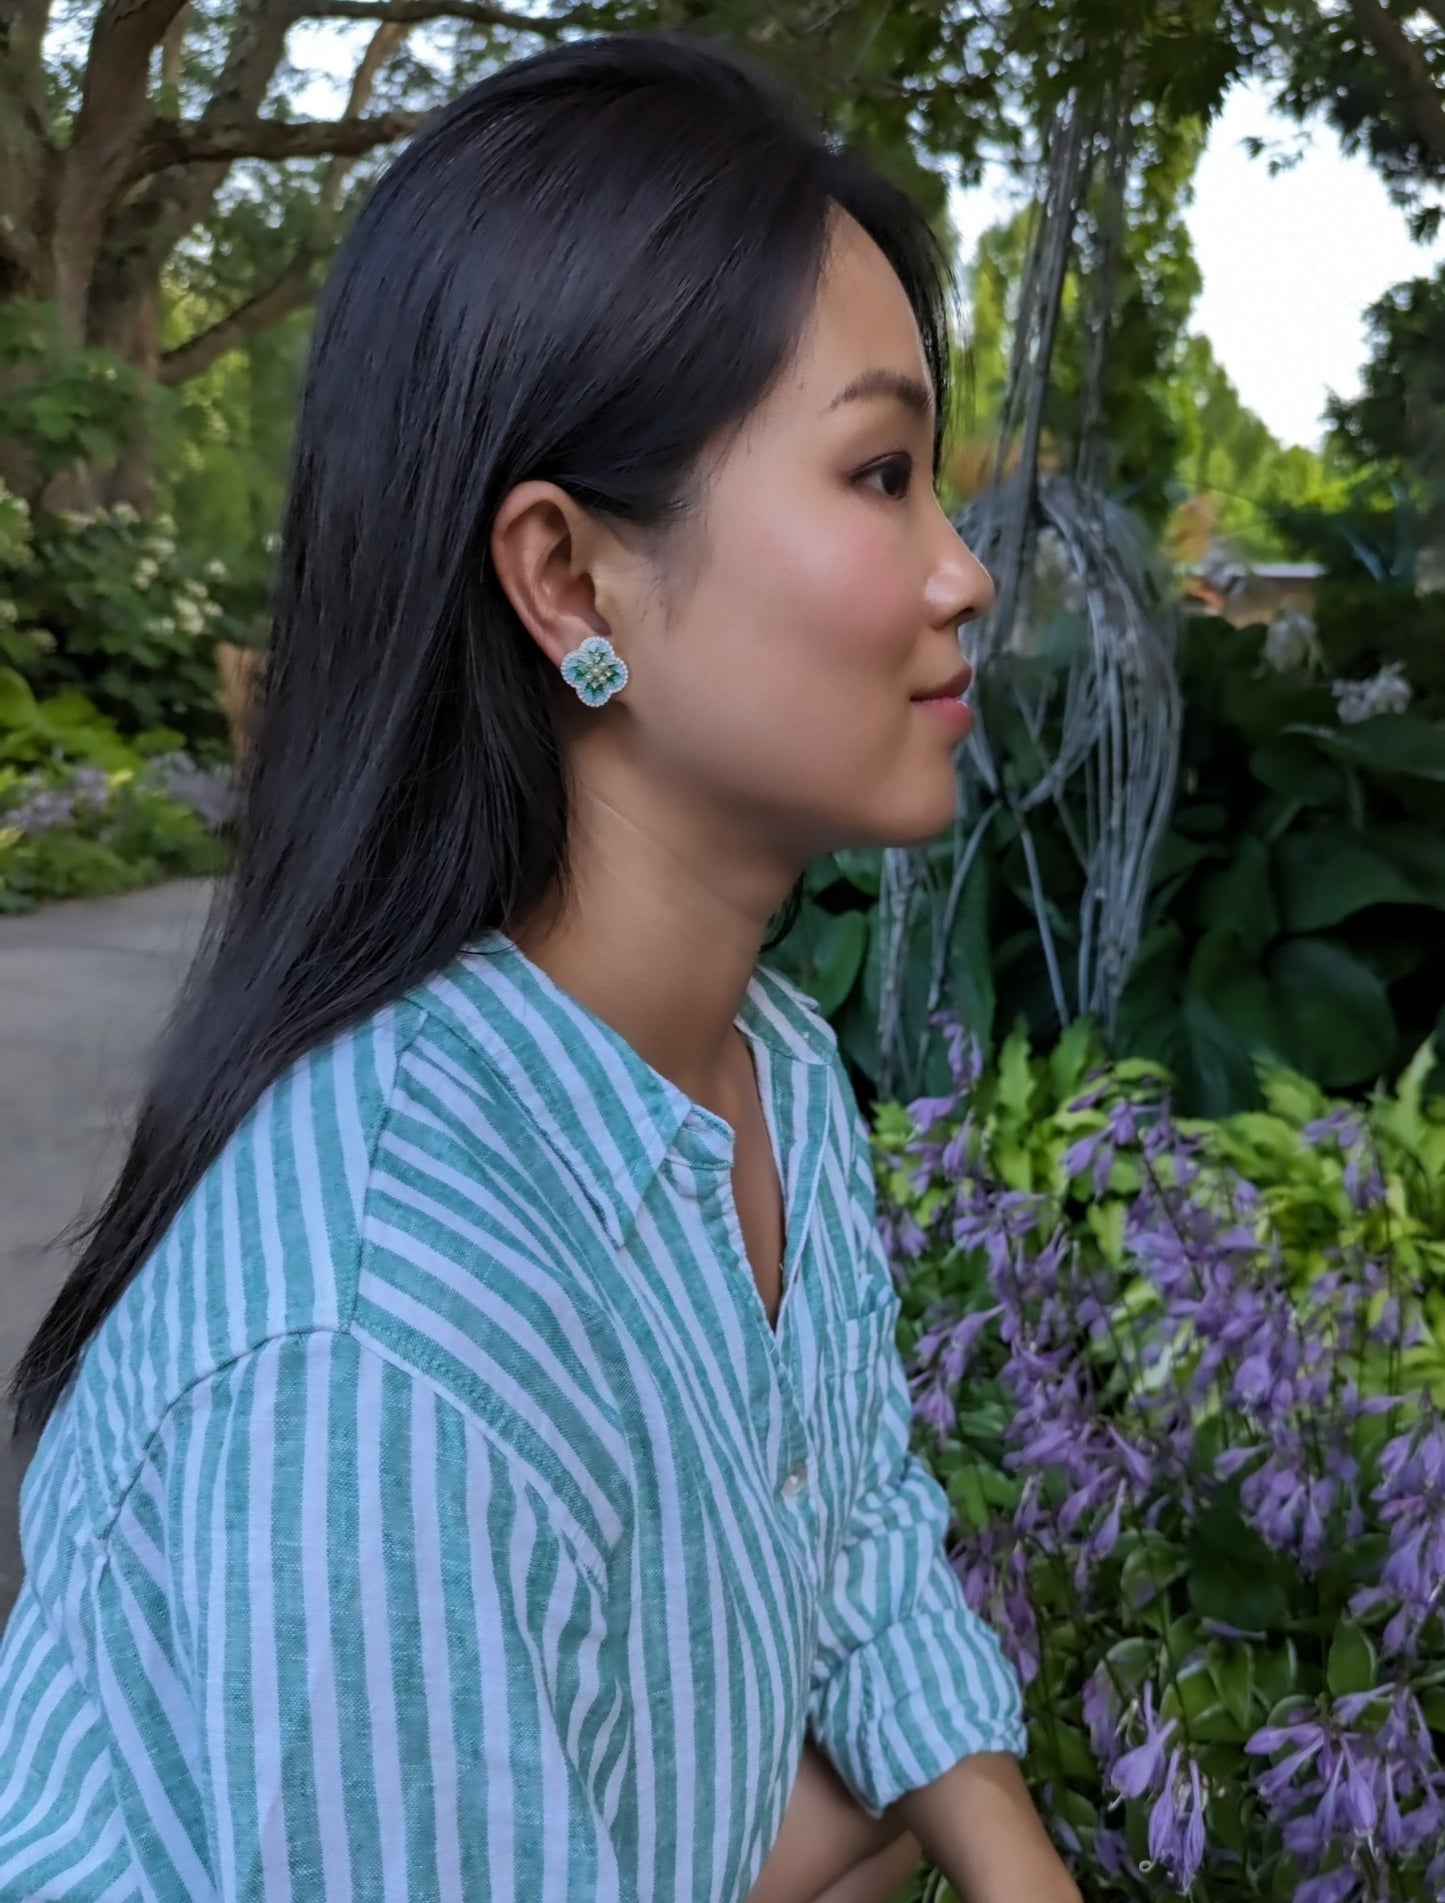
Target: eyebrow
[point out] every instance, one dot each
(915, 397)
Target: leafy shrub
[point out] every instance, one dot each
(1298, 899)
(82, 832)
(1182, 1382)
(68, 728)
(104, 603)
(66, 406)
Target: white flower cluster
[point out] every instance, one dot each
(1291, 642)
(1387, 692)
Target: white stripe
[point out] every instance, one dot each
(386, 1766)
(272, 1850)
(434, 1613)
(321, 1698)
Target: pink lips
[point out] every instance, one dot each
(952, 711)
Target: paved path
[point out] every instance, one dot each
(83, 990)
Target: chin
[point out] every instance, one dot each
(927, 810)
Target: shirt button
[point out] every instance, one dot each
(795, 1481)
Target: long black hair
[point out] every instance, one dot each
(583, 270)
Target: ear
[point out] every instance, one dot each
(560, 568)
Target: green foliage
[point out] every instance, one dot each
(68, 729)
(1398, 419)
(65, 406)
(121, 830)
(102, 602)
(85, 811)
(1299, 896)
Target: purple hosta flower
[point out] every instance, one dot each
(965, 1053)
(1176, 1821)
(934, 1407)
(1102, 1709)
(924, 1112)
(1364, 1184)
(211, 795)
(1112, 1855)
(1140, 1771)
(1094, 1152)
(1336, 1886)
(1410, 1499)
(992, 1568)
(79, 799)
(1338, 1789)
(953, 1162)
(909, 1240)
(1341, 1126)
(940, 1361)
(1289, 1506)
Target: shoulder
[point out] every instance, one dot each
(479, 1264)
(265, 1246)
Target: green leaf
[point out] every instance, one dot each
(1106, 1224)
(1329, 874)
(1239, 901)
(826, 953)
(1149, 1569)
(1232, 1573)
(17, 703)
(1015, 1076)
(1335, 1020)
(862, 868)
(1399, 745)
(1293, 765)
(1352, 1661)
(1232, 1667)
(971, 987)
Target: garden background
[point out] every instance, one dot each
(1152, 1039)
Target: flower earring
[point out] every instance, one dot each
(596, 670)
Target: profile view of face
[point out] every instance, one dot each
(814, 597)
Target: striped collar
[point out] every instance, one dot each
(600, 1106)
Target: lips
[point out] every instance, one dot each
(956, 685)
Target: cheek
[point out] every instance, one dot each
(832, 598)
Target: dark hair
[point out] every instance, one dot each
(582, 270)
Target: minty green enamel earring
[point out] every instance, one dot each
(596, 670)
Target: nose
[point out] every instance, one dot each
(960, 588)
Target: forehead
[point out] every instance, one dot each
(861, 318)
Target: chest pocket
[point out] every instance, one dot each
(855, 1369)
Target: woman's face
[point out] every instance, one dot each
(814, 598)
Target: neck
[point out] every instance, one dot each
(659, 945)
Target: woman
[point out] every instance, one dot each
(475, 1461)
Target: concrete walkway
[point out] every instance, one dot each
(83, 990)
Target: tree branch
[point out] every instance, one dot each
(414, 12)
(295, 287)
(1409, 70)
(190, 142)
(297, 282)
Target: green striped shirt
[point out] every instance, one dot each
(437, 1515)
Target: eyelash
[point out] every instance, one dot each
(892, 465)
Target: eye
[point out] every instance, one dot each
(892, 476)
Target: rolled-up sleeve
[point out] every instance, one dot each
(387, 1675)
(907, 1679)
